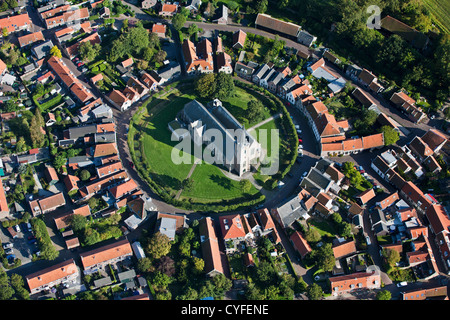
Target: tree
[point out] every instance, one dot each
(245, 185)
(312, 235)
(161, 281)
(144, 265)
(384, 295)
(224, 85)
(324, 257)
(91, 236)
(39, 118)
(54, 51)
(78, 222)
(391, 136)
(178, 21)
(199, 265)
(391, 256)
(159, 245)
(205, 85)
(59, 161)
(189, 294)
(193, 28)
(147, 53)
(85, 175)
(88, 52)
(314, 292)
(255, 110)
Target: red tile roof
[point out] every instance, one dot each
(300, 244)
(232, 227)
(266, 219)
(71, 182)
(3, 201)
(159, 28)
(51, 274)
(104, 149)
(52, 202)
(122, 189)
(106, 253)
(388, 201)
(439, 220)
(13, 22)
(344, 249)
(373, 141)
(55, 11)
(30, 38)
(366, 195)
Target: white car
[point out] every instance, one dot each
(300, 146)
(297, 127)
(17, 228)
(368, 240)
(402, 284)
(299, 131)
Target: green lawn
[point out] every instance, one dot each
(210, 184)
(157, 146)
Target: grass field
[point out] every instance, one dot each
(441, 12)
(209, 182)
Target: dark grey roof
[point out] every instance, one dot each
(105, 137)
(268, 74)
(380, 164)
(196, 111)
(262, 71)
(41, 50)
(291, 210)
(276, 78)
(318, 180)
(79, 159)
(242, 68)
(79, 132)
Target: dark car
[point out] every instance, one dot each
(31, 237)
(131, 164)
(32, 241)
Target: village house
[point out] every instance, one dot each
(354, 281)
(239, 38)
(47, 204)
(300, 244)
(233, 231)
(47, 278)
(168, 10)
(98, 259)
(16, 23)
(170, 224)
(214, 264)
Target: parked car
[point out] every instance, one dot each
(304, 174)
(11, 256)
(17, 228)
(297, 127)
(402, 284)
(300, 140)
(7, 245)
(9, 251)
(368, 241)
(31, 237)
(80, 64)
(32, 241)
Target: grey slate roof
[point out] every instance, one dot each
(291, 210)
(79, 132)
